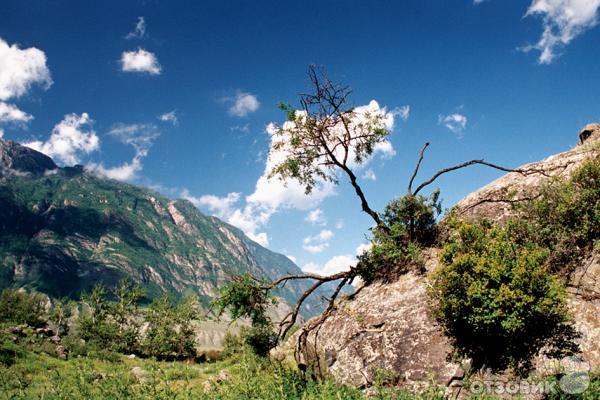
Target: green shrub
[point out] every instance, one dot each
(413, 218)
(59, 315)
(9, 352)
(261, 338)
(496, 296)
(112, 325)
(233, 344)
(565, 217)
(20, 307)
(170, 335)
(245, 297)
(409, 223)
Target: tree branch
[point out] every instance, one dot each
(416, 171)
(472, 162)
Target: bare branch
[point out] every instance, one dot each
(473, 162)
(302, 338)
(416, 171)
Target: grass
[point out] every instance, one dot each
(34, 374)
(29, 371)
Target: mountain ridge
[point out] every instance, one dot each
(64, 229)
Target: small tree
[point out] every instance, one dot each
(59, 315)
(327, 136)
(112, 324)
(246, 297)
(125, 313)
(410, 224)
(20, 307)
(170, 335)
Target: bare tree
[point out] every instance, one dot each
(327, 136)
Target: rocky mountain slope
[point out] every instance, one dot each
(389, 326)
(62, 230)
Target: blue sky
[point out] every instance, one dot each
(88, 82)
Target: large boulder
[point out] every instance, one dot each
(495, 200)
(589, 133)
(385, 328)
(389, 326)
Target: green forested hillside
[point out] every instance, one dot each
(62, 230)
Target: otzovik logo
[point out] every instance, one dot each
(574, 379)
(576, 375)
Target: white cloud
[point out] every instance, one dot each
(363, 247)
(170, 116)
(10, 113)
(244, 104)
(240, 128)
(20, 69)
(139, 31)
(316, 217)
(273, 195)
(402, 112)
(456, 122)
(322, 236)
(334, 265)
(369, 175)
(317, 243)
(315, 248)
(221, 207)
(124, 172)
(294, 259)
(140, 61)
(563, 21)
(140, 137)
(339, 224)
(69, 140)
(1, 133)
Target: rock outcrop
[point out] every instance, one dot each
(390, 326)
(494, 201)
(20, 159)
(387, 327)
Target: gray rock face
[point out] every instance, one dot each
(386, 328)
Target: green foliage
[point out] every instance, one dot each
(232, 343)
(246, 297)
(413, 218)
(170, 335)
(327, 134)
(59, 315)
(261, 338)
(125, 314)
(113, 325)
(409, 224)
(20, 307)
(496, 296)
(566, 215)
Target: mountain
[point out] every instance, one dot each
(62, 230)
